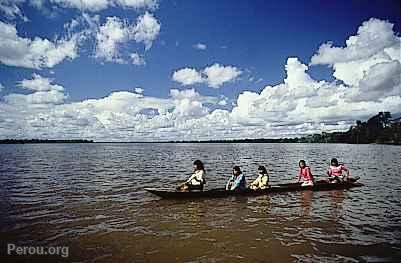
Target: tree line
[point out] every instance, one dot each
(380, 128)
(24, 141)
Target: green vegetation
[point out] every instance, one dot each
(378, 129)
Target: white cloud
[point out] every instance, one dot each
(90, 5)
(373, 36)
(116, 33)
(138, 90)
(302, 99)
(110, 35)
(149, 4)
(187, 76)
(200, 46)
(146, 29)
(299, 105)
(217, 75)
(11, 10)
(36, 3)
(369, 63)
(223, 102)
(374, 43)
(37, 53)
(70, 26)
(1, 87)
(187, 103)
(98, 5)
(381, 79)
(44, 92)
(137, 59)
(39, 83)
(40, 97)
(214, 76)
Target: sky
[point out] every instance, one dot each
(158, 70)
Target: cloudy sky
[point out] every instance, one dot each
(152, 70)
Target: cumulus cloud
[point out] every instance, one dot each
(381, 79)
(121, 115)
(116, 32)
(139, 90)
(188, 103)
(90, 5)
(200, 46)
(11, 10)
(373, 36)
(1, 87)
(369, 63)
(44, 92)
(137, 59)
(98, 5)
(217, 75)
(146, 29)
(214, 76)
(39, 83)
(109, 36)
(299, 105)
(112, 38)
(223, 102)
(187, 76)
(34, 53)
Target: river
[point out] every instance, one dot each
(91, 199)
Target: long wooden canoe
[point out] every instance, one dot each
(220, 192)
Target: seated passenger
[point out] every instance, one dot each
(237, 181)
(197, 180)
(305, 174)
(262, 181)
(335, 172)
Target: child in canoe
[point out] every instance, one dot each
(262, 180)
(336, 170)
(195, 181)
(305, 174)
(237, 181)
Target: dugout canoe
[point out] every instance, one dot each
(280, 188)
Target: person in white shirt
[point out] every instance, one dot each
(195, 181)
(262, 181)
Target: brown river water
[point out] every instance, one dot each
(90, 198)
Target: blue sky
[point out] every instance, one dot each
(253, 38)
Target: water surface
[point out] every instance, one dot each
(91, 198)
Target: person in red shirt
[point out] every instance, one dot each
(336, 170)
(305, 174)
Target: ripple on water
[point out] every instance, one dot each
(93, 195)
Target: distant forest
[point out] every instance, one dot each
(381, 128)
(23, 141)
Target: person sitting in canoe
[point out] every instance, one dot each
(262, 181)
(305, 174)
(335, 172)
(195, 181)
(237, 181)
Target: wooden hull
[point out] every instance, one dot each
(280, 188)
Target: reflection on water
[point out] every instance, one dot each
(306, 200)
(90, 197)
